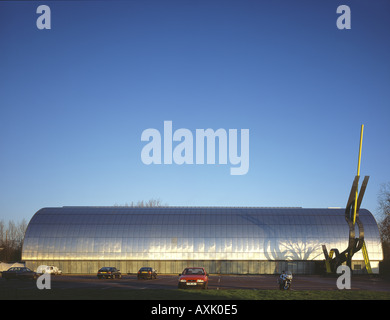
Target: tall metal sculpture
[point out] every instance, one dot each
(334, 259)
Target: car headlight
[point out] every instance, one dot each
(182, 280)
(199, 280)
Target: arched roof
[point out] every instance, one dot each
(186, 233)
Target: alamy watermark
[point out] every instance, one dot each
(343, 281)
(44, 20)
(44, 281)
(343, 20)
(205, 140)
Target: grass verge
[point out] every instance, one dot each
(155, 294)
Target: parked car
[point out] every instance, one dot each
(147, 273)
(109, 272)
(193, 277)
(19, 273)
(48, 269)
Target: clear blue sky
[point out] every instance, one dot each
(74, 101)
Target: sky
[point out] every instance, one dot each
(76, 98)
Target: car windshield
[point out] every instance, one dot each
(146, 269)
(17, 269)
(105, 269)
(193, 271)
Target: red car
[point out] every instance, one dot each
(193, 278)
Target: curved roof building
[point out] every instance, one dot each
(224, 240)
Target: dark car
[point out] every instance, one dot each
(147, 273)
(109, 272)
(193, 278)
(19, 273)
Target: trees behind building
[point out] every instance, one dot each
(384, 226)
(11, 240)
(144, 204)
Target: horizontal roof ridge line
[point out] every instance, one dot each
(186, 207)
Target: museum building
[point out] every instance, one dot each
(225, 240)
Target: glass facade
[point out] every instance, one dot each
(195, 234)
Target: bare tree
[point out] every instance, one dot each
(384, 224)
(11, 240)
(144, 204)
(384, 199)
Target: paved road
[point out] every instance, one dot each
(223, 282)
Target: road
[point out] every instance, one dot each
(216, 282)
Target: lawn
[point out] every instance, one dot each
(155, 294)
